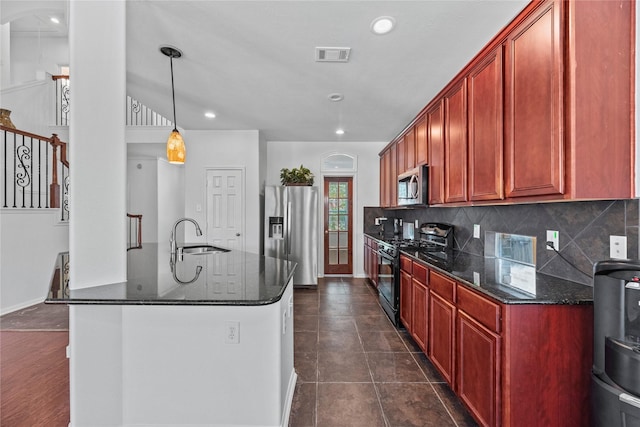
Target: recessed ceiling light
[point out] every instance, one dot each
(335, 97)
(210, 115)
(55, 20)
(340, 132)
(383, 25)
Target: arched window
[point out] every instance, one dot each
(339, 162)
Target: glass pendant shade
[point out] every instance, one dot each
(176, 151)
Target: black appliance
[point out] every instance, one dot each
(435, 246)
(615, 378)
(389, 279)
(413, 186)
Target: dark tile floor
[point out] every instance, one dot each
(355, 369)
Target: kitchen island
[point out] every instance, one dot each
(198, 339)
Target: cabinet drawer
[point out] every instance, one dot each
(405, 264)
(480, 308)
(443, 286)
(420, 273)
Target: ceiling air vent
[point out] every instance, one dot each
(332, 54)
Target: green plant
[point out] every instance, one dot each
(299, 175)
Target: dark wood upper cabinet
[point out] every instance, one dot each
(422, 147)
(401, 153)
(436, 154)
(455, 143)
(600, 97)
(485, 110)
(410, 149)
(534, 105)
(547, 100)
(392, 179)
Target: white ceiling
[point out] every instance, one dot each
(252, 62)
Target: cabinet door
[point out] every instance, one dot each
(374, 263)
(392, 178)
(401, 152)
(455, 143)
(420, 300)
(405, 299)
(366, 259)
(410, 149)
(442, 315)
(534, 108)
(436, 154)
(485, 128)
(383, 179)
(422, 149)
(478, 369)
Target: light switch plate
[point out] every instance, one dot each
(476, 231)
(618, 247)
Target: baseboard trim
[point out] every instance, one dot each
(20, 306)
(289, 399)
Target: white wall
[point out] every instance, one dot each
(30, 106)
(142, 194)
(170, 199)
(366, 181)
(30, 240)
(211, 149)
(5, 55)
(31, 56)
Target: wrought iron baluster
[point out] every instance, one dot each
(15, 163)
(23, 179)
(5, 169)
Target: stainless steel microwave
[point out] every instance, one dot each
(413, 187)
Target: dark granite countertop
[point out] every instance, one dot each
(220, 278)
(479, 273)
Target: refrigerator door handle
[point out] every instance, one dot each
(287, 245)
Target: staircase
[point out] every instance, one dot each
(34, 194)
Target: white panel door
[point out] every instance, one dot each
(225, 208)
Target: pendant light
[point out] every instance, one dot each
(176, 151)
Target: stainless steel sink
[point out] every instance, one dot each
(200, 249)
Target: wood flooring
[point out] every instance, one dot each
(34, 369)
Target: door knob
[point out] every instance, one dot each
(237, 234)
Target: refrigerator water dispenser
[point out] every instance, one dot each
(276, 229)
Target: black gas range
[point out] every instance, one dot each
(434, 245)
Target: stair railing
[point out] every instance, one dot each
(30, 174)
(62, 99)
(135, 231)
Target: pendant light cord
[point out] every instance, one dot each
(173, 97)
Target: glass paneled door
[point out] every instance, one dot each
(338, 225)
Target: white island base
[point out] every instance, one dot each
(171, 365)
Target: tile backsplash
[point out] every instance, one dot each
(584, 229)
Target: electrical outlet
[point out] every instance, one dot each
(618, 247)
(476, 231)
(554, 237)
(232, 332)
(416, 224)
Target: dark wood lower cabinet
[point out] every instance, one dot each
(405, 299)
(478, 369)
(442, 324)
(512, 365)
(419, 321)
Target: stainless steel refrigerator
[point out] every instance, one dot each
(291, 229)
